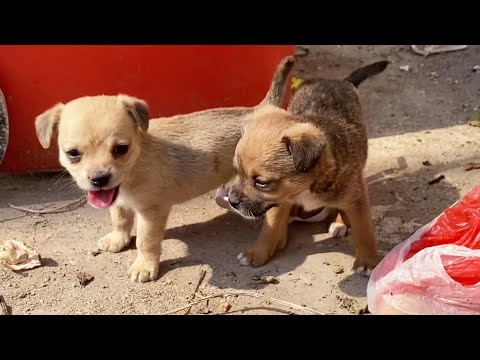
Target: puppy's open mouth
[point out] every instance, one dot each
(221, 198)
(103, 198)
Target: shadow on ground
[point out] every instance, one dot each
(217, 242)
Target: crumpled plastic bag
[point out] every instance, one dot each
(17, 255)
(436, 270)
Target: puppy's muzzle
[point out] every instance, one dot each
(245, 206)
(234, 198)
(100, 180)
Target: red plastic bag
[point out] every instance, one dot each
(435, 271)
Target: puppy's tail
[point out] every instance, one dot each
(276, 93)
(360, 75)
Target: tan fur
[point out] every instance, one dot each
(176, 159)
(318, 149)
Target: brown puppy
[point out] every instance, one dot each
(141, 169)
(314, 155)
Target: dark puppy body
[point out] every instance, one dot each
(313, 154)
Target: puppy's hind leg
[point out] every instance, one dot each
(340, 226)
(122, 222)
(150, 230)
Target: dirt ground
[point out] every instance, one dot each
(413, 117)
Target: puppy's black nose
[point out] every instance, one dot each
(234, 198)
(100, 180)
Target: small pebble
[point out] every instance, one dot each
(270, 280)
(307, 282)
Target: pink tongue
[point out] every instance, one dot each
(101, 198)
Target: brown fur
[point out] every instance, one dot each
(314, 152)
(169, 161)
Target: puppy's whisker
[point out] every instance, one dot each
(59, 179)
(248, 218)
(61, 174)
(64, 183)
(62, 186)
(67, 185)
(72, 186)
(63, 178)
(251, 219)
(259, 222)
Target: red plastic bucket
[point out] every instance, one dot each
(172, 79)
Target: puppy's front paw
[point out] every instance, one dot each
(364, 266)
(143, 270)
(338, 230)
(253, 258)
(114, 241)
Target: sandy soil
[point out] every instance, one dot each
(413, 117)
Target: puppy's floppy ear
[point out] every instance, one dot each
(138, 110)
(46, 124)
(305, 145)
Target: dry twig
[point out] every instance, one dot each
(4, 310)
(247, 293)
(472, 166)
(203, 272)
(68, 207)
(436, 180)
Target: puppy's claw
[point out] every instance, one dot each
(252, 258)
(244, 260)
(364, 267)
(338, 230)
(114, 241)
(362, 270)
(143, 271)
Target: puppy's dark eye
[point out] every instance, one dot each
(262, 184)
(120, 150)
(74, 155)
